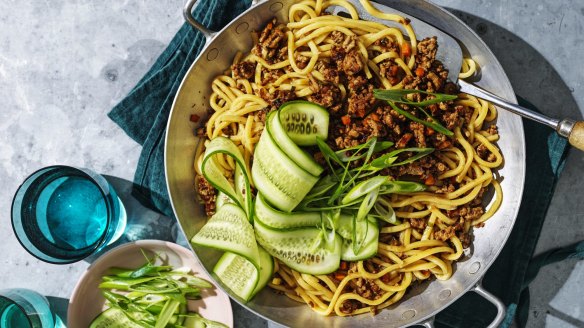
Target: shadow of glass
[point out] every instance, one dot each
(143, 222)
(59, 308)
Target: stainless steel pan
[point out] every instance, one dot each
(423, 301)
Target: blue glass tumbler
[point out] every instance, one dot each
(23, 308)
(62, 214)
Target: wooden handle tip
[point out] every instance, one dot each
(576, 137)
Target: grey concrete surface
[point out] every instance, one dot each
(540, 45)
(65, 63)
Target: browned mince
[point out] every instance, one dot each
(359, 117)
(207, 193)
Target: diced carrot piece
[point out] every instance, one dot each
(406, 49)
(444, 144)
(340, 275)
(430, 181)
(343, 265)
(429, 131)
(393, 70)
(346, 120)
(386, 278)
(420, 71)
(374, 117)
(195, 118)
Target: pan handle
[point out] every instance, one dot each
(429, 323)
(188, 15)
(479, 289)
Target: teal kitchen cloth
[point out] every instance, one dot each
(143, 115)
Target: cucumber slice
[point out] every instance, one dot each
(113, 318)
(238, 274)
(241, 276)
(299, 156)
(303, 121)
(277, 177)
(266, 272)
(194, 320)
(214, 174)
(278, 220)
(294, 249)
(369, 247)
(242, 188)
(222, 199)
(229, 230)
(344, 226)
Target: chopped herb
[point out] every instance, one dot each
(433, 124)
(399, 96)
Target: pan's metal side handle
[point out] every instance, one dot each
(493, 299)
(429, 323)
(188, 15)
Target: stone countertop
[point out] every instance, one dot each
(64, 64)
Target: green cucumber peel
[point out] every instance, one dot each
(267, 270)
(214, 174)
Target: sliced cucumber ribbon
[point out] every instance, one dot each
(229, 230)
(278, 220)
(305, 250)
(241, 193)
(284, 142)
(304, 121)
(281, 170)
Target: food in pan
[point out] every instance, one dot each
(338, 164)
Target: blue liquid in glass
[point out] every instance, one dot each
(23, 308)
(13, 317)
(62, 214)
(71, 212)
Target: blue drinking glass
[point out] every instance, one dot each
(23, 308)
(62, 214)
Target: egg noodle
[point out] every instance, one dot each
(417, 255)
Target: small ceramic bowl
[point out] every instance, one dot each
(86, 302)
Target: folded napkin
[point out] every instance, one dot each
(144, 112)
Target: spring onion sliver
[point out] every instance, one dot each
(150, 296)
